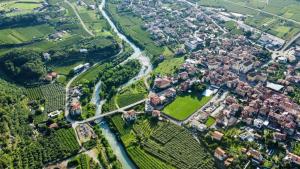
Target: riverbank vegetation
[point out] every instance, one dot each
(161, 144)
(131, 26)
(116, 76)
(106, 155)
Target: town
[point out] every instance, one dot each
(240, 72)
(150, 84)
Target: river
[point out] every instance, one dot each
(137, 54)
(146, 68)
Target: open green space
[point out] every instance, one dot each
(93, 20)
(161, 145)
(210, 121)
(169, 65)
(185, 105)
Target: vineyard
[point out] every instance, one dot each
(146, 161)
(163, 145)
(58, 145)
(176, 145)
(54, 95)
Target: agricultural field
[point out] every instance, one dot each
(20, 7)
(165, 145)
(185, 105)
(132, 94)
(93, 20)
(131, 26)
(54, 95)
(280, 27)
(58, 145)
(24, 34)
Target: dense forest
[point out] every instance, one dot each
(23, 65)
(14, 128)
(115, 76)
(98, 48)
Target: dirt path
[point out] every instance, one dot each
(78, 16)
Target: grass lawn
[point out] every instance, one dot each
(184, 106)
(169, 65)
(210, 121)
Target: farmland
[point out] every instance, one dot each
(165, 145)
(59, 144)
(53, 94)
(94, 21)
(277, 26)
(24, 34)
(131, 26)
(185, 105)
(18, 7)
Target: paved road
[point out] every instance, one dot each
(213, 21)
(78, 16)
(120, 110)
(67, 93)
(290, 42)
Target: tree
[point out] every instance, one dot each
(23, 65)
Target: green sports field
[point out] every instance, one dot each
(185, 105)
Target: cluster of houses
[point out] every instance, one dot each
(74, 101)
(187, 26)
(90, 6)
(166, 88)
(230, 62)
